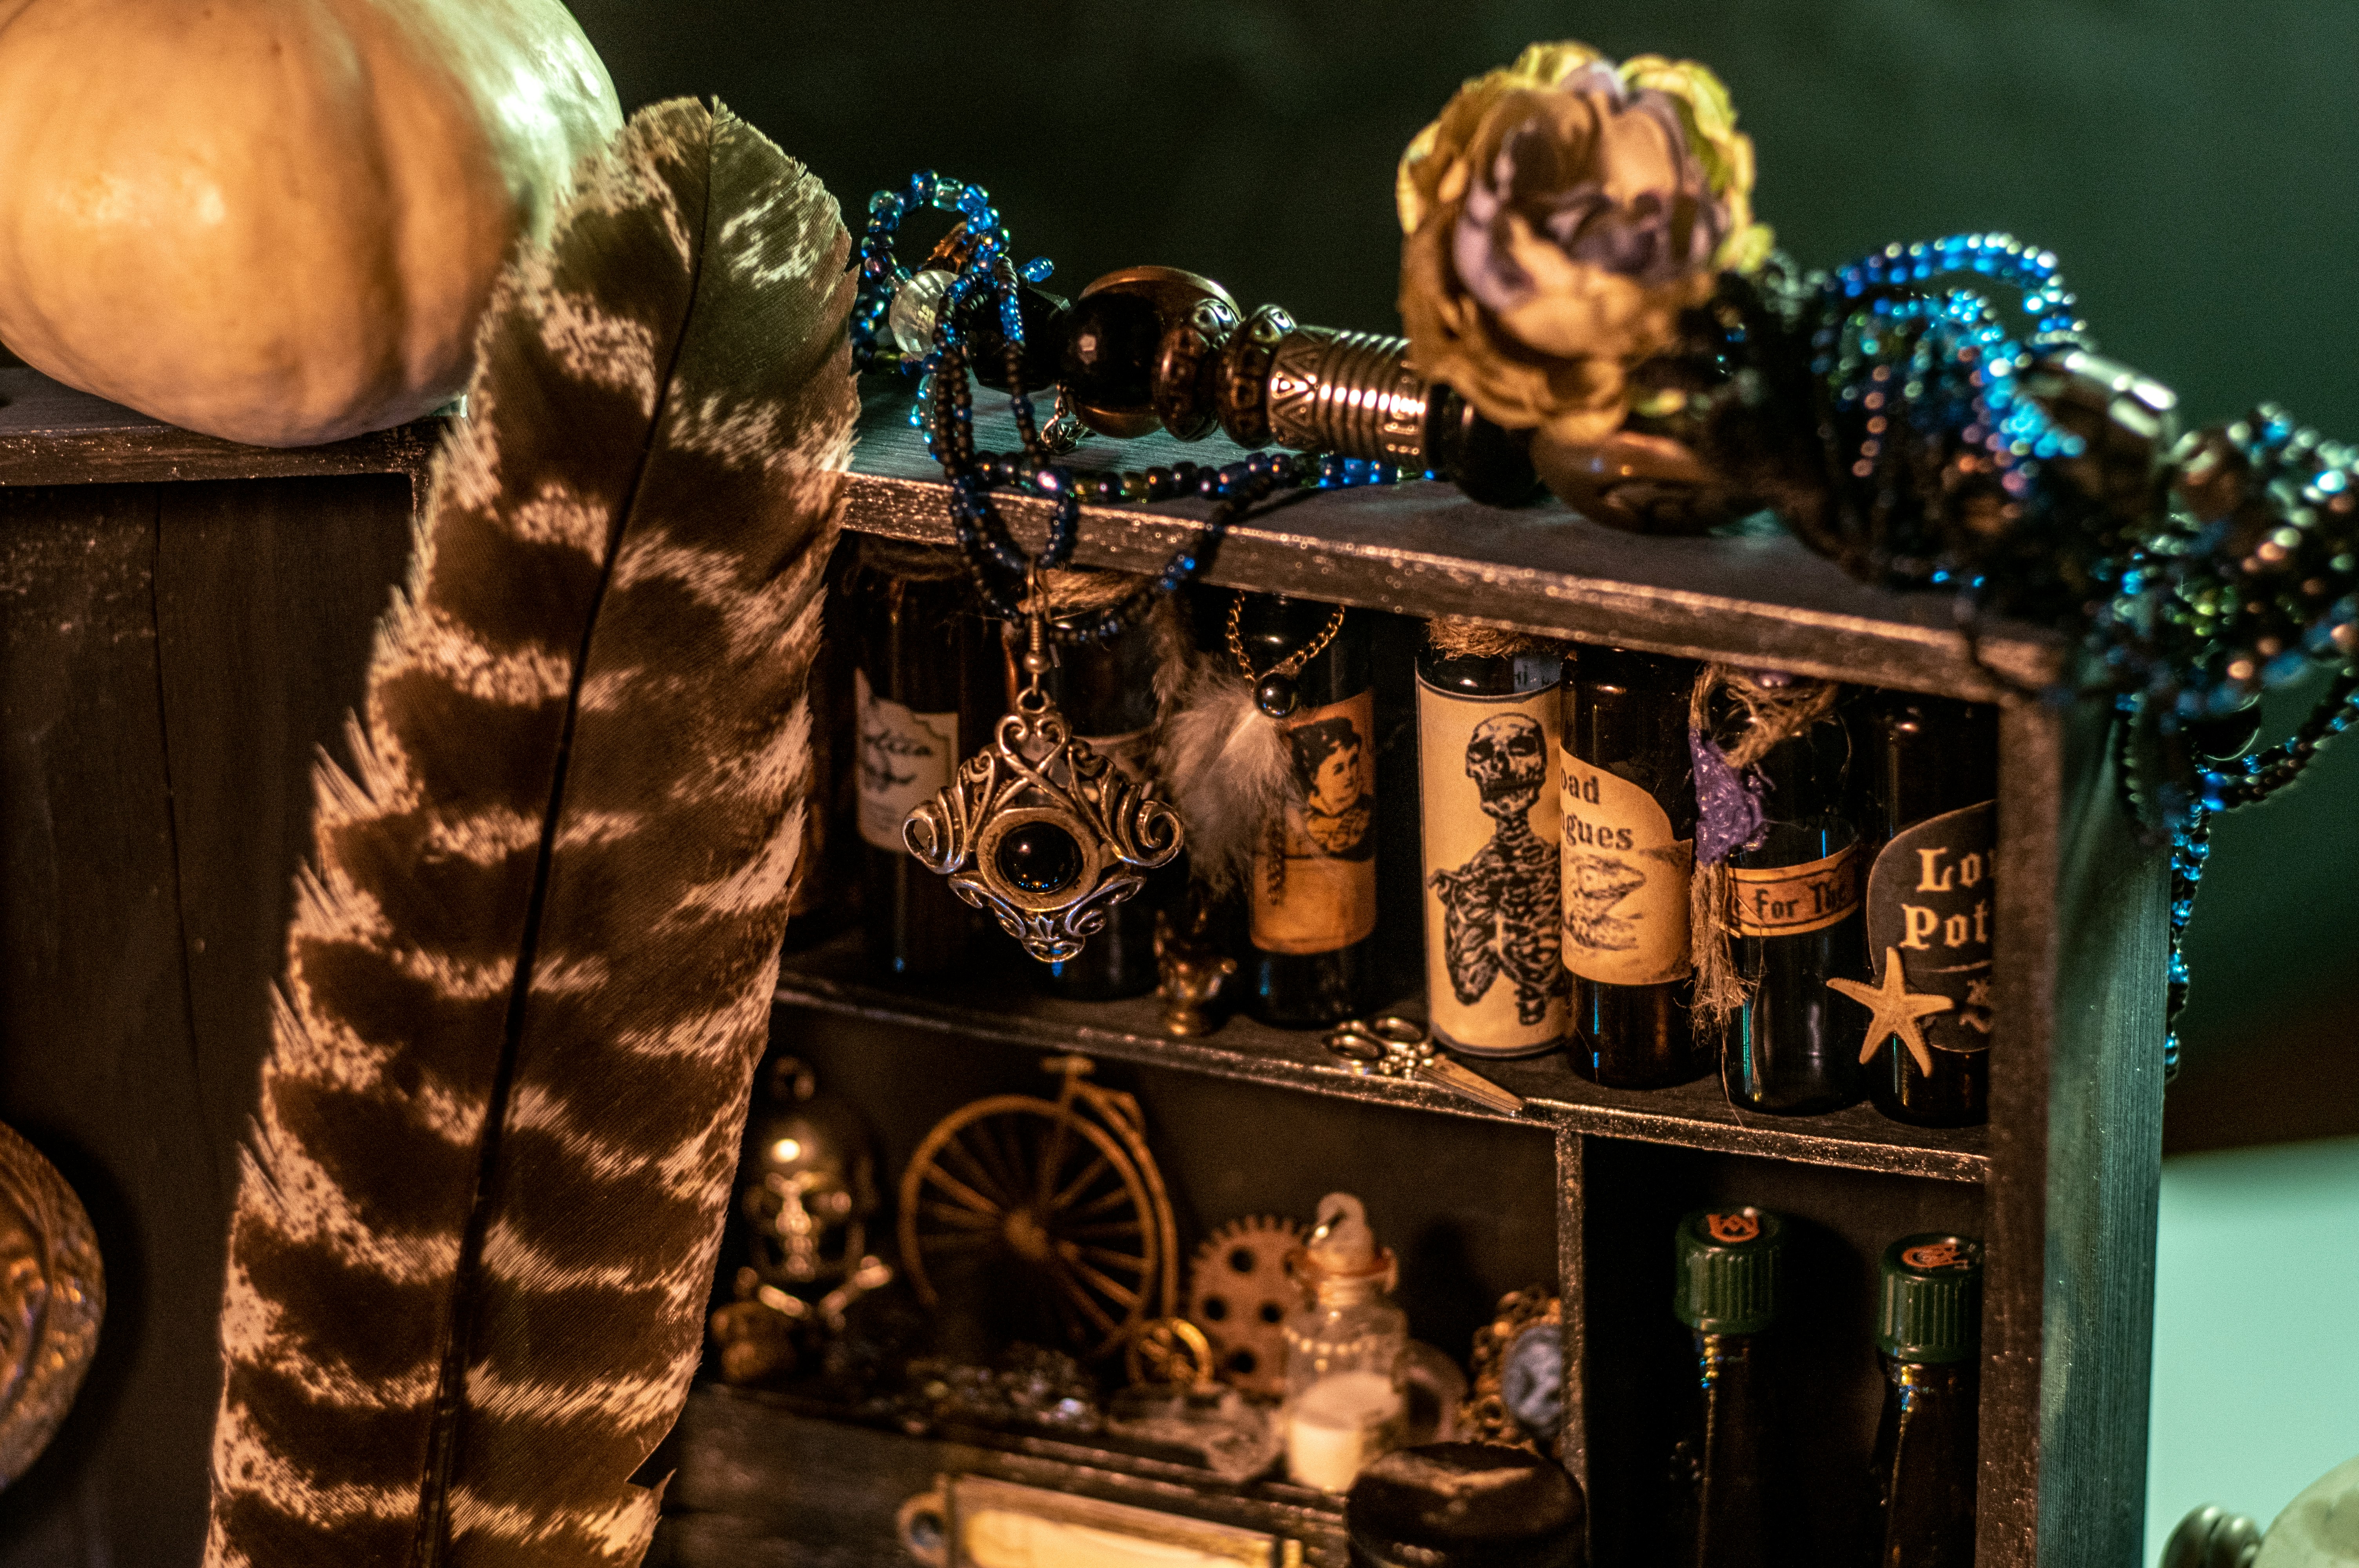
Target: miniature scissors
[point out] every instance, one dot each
(1391, 1046)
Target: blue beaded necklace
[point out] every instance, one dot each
(1037, 828)
(943, 410)
(1923, 416)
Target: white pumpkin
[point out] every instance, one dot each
(278, 221)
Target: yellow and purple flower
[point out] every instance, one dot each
(1559, 215)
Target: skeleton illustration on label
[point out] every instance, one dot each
(1314, 882)
(1494, 981)
(1931, 900)
(905, 758)
(1625, 881)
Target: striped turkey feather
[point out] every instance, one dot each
(529, 969)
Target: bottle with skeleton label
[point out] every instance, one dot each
(1629, 848)
(1106, 692)
(1794, 917)
(1486, 778)
(1930, 811)
(1311, 907)
(909, 688)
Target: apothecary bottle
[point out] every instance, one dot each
(1931, 816)
(1487, 728)
(1729, 1503)
(1106, 691)
(1794, 923)
(914, 679)
(1344, 1401)
(1312, 899)
(1629, 815)
(1929, 1323)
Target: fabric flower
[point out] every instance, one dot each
(1559, 215)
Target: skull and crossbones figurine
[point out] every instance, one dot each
(1500, 907)
(812, 1190)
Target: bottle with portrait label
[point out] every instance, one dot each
(1929, 1322)
(1794, 917)
(910, 687)
(1486, 730)
(1729, 1502)
(1311, 904)
(1106, 692)
(1629, 848)
(1931, 803)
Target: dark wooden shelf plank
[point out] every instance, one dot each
(1424, 549)
(830, 979)
(50, 434)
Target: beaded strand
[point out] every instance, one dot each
(943, 412)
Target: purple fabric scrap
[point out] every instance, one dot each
(1728, 803)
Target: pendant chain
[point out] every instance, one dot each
(1292, 663)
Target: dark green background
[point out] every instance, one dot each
(2191, 163)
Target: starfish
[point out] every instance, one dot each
(1896, 1011)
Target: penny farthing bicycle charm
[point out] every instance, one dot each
(1051, 1211)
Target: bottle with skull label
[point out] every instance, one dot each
(1486, 776)
(1794, 913)
(1629, 850)
(910, 687)
(1311, 902)
(1929, 806)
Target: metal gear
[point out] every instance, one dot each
(1239, 1292)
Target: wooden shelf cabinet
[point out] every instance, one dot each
(2061, 1184)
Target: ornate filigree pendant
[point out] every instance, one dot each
(1042, 832)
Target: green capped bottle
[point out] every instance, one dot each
(1929, 1322)
(1728, 1507)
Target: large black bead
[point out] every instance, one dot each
(1278, 695)
(1040, 857)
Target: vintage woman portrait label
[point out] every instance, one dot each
(1314, 876)
(1931, 900)
(1790, 901)
(906, 758)
(1492, 980)
(1625, 881)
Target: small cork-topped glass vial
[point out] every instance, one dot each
(1344, 1404)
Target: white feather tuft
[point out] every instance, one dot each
(1228, 770)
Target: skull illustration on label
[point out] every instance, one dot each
(1494, 981)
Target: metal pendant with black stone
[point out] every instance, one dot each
(1039, 830)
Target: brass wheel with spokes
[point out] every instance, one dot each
(1034, 1195)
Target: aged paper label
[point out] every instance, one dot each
(1487, 786)
(1314, 876)
(1929, 899)
(1626, 880)
(1788, 901)
(906, 757)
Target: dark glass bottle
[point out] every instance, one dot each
(1488, 793)
(1928, 812)
(1927, 1323)
(1629, 848)
(1312, 906)
(914, 679)
(1729, 1503)
(1106, 692)
(1793, 1049)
